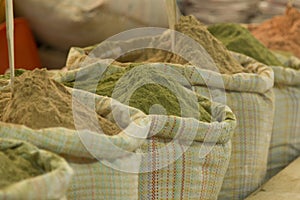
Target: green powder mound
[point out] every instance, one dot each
(150, 90)
(106, 83)
(239, 39)
(191, 27)
(16, 166)
(140, 99)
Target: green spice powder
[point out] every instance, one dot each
(16, 166)
(239, 39)
(147, 93)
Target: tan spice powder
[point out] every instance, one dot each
(40, 102)
(221, 59)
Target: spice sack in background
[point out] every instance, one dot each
(285, 143)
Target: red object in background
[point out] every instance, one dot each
(26, 53)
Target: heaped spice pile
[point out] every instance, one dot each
(220, 58)
(150, 86)
(239, 39)
(281, 32)
(40, 102)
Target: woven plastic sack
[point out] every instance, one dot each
(285, 143)
(82, 23)
(251, 99)
(192, 175)
(76, 56)
(172, 166)
(51, 185)
(101, 178)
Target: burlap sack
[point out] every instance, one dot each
(69, 23)
(285, 142)
(52, 185)
(251, 99)
(92, 178)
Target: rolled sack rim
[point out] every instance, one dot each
(205, 130)
(55, 138)
(259, 82)
(286, 76)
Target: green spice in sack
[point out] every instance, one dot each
(170, 95)
(239, 39)
(15, 166)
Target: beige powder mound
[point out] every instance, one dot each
(191, 27)
(221, 59)
(40, 102)
(5, 96)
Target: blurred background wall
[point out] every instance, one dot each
(240, 11)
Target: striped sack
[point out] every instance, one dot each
(187, 158)
(51, 185)
(285, 142)
(102, 178)
(251, 99)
